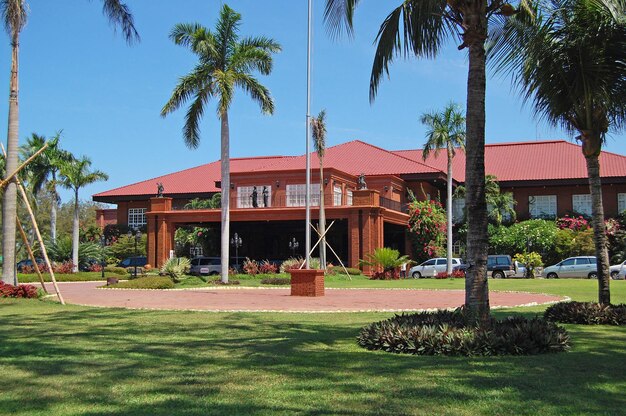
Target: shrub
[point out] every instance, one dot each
(427, 229)
(572, 223)
(20, 291)
(588, 313)
(531, 261)
(229, 283)
(278, 281)
(267, 268)
(445, 333)
(95, 267)
(61, 251)
(115, 270)
(175, 268)
(535, 235)
(250, 267)
(340, 270)
(67, 267)
(385, 262)
(149, 282)
(456, 274)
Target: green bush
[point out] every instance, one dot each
(116, 270)
(536, 235)
(176, 268)
(339, 270)
(587, 313)
(531, 261)
(61, 251)
(445, 333)
(277, 281)
(229, 283)
(125, 247)
(149, 282)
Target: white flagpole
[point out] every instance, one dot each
(307, 238)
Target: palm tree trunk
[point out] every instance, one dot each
(476, 286)
(449, 214)
(225, 164)
(9, 201)
(75, 230)
(322, 218)
(53, 211)
(599, 235)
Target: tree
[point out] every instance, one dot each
(568, 57)
(499, 205)
(75, 175)
(14, 14)
(318, 127)
(225, 62)
(43, 171)
(421, 27)
(446, 130)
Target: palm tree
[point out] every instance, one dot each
(318, 127)
(43, 171)
(421, 27)
(446, 130)
(75, 175)
(568, 57)
(225, 63)
(14, 13)
(499, 204)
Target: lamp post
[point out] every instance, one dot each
(293, 246)
(137, 236)
(102, 261)
(236, 242)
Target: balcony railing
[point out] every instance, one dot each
(392, 205)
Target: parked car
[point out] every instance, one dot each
(205, 265)
(622, 274)
(137, 261)
(29, 263)
(499, 266)
(614, 270)
(581, 266)
(431, 267)
(520, 269)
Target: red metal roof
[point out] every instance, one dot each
(539, 160)
(519, 161)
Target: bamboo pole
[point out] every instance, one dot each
(36, 228)
(6, 180)
(31, 254)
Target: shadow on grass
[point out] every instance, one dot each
(118, 362)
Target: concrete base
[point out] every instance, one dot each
(307, 282)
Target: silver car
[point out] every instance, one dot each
(205, 265)
(615, 269)
(431, 267)
(582, 266)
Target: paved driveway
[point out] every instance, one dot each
(279, 300)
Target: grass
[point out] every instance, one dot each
(70, 277)
(85, 361)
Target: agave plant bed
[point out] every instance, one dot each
(446, 333)
(586, 313)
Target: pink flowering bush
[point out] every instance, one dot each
(427, 229)
(572, 223)
(21, 291)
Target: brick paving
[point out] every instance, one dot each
(279, 300)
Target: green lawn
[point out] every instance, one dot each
(71, 277)
(71, 360)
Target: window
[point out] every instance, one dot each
(582, 261)
(441, 262)
(568, 262)
(430, 262)
(349, 197)
(541, 206)
(458, 208)
(136, 217)
(195, 251)
(296, 195)
(621, 203)
(581, 204)
(245, 196)
(337, 194)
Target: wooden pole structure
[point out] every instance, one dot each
(8, 179)
(36, 227)
(31, 254)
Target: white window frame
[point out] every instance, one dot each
(137, 217)
(540, 206)
(349, 196)
(621, 202)
(244, 196)
(296, 195)
(337, 195)
(581, 204)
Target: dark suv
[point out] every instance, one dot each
(499, 266)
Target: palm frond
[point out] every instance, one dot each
(257, 92)
(339, 16)
(318, 128)
(14, 15)
(119, 15)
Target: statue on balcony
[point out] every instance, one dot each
(254, 196)
(361, 182)
(159, 190)
(265, 196)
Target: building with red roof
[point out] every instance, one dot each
(547, 178)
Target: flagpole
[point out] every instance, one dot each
(307, 228)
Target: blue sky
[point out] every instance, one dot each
(77, 75)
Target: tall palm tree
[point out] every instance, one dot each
(446, 130)
(75, 175)
(318, 128)
(499, 204)
(44, 170)
(14, 14)
(225, 62)
(568, 57)
(421, 27)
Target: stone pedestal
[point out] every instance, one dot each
(307, 282)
